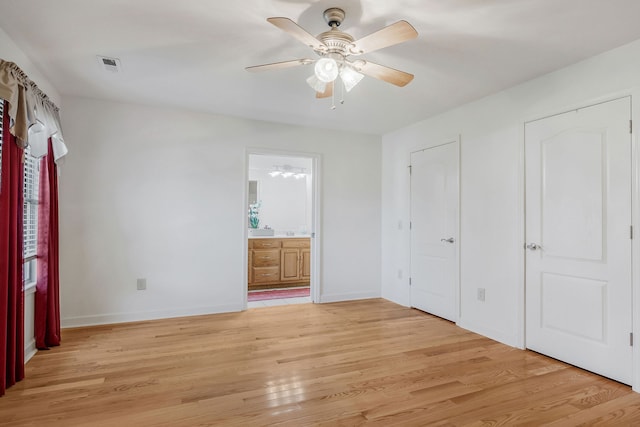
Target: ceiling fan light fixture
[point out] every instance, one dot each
(276, 171)
(326, 69)
(350, 77)
(335, 48)
(316, 84)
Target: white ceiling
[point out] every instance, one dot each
(192, 53)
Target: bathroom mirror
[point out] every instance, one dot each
(253, 192)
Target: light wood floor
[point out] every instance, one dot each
(367, 362)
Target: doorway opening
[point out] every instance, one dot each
(280, 229)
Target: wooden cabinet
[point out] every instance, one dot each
(279, 262)
(305, 271)
(291, 259)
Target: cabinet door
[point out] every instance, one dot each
(305, 273)
(290, 264)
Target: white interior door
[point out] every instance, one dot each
(434, 230)
(578, 243)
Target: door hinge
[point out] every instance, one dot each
(410, 225)
(409, 281)
(630, 126)
(631, 339)
(410, 169)
(631, 232)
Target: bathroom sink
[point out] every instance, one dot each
(261, 232)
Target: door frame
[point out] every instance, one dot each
(634, 95)
(315, 286)
(456, 140)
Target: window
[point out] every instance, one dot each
(30, 210)
(30, 226)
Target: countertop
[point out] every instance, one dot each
(282, 236)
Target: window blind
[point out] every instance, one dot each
(30, 188)
(31, 184)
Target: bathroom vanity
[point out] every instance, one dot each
(278, 262)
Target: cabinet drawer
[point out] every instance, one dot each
(296, 243)
(266, 274)
(266, 257)
(265, 243)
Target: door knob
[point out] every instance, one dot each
(449, 240)
(533, 246)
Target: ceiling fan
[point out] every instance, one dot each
(336, 50)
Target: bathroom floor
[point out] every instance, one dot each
(275, 302)
(279, 296)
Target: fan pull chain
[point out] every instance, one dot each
(341, 92)
(333, 97)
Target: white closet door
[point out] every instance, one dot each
(434, 230)
(578, 255)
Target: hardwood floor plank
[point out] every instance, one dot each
(353, 363)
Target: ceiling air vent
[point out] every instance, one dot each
(109, 64)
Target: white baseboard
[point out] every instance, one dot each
(403, 302)
(30, 349)
(501, 337)
(348, 297)
(109, 318)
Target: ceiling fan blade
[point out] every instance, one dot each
(288, 26)
(279, 65)
(396, 33)
(327, 92)
(380, 72)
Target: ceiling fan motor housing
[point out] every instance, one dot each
(338, 43)
(334, 16)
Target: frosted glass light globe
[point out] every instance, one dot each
(326, 69)
(350, 77)
(316, 84)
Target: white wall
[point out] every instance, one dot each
(492, 207)
(160, 194)
(10, 52)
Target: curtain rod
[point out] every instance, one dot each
(28, 82)
(28, 105)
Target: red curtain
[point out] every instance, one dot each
(11, 292)
(47, 306)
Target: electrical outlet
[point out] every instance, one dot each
(141, 284)
(481, 294)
